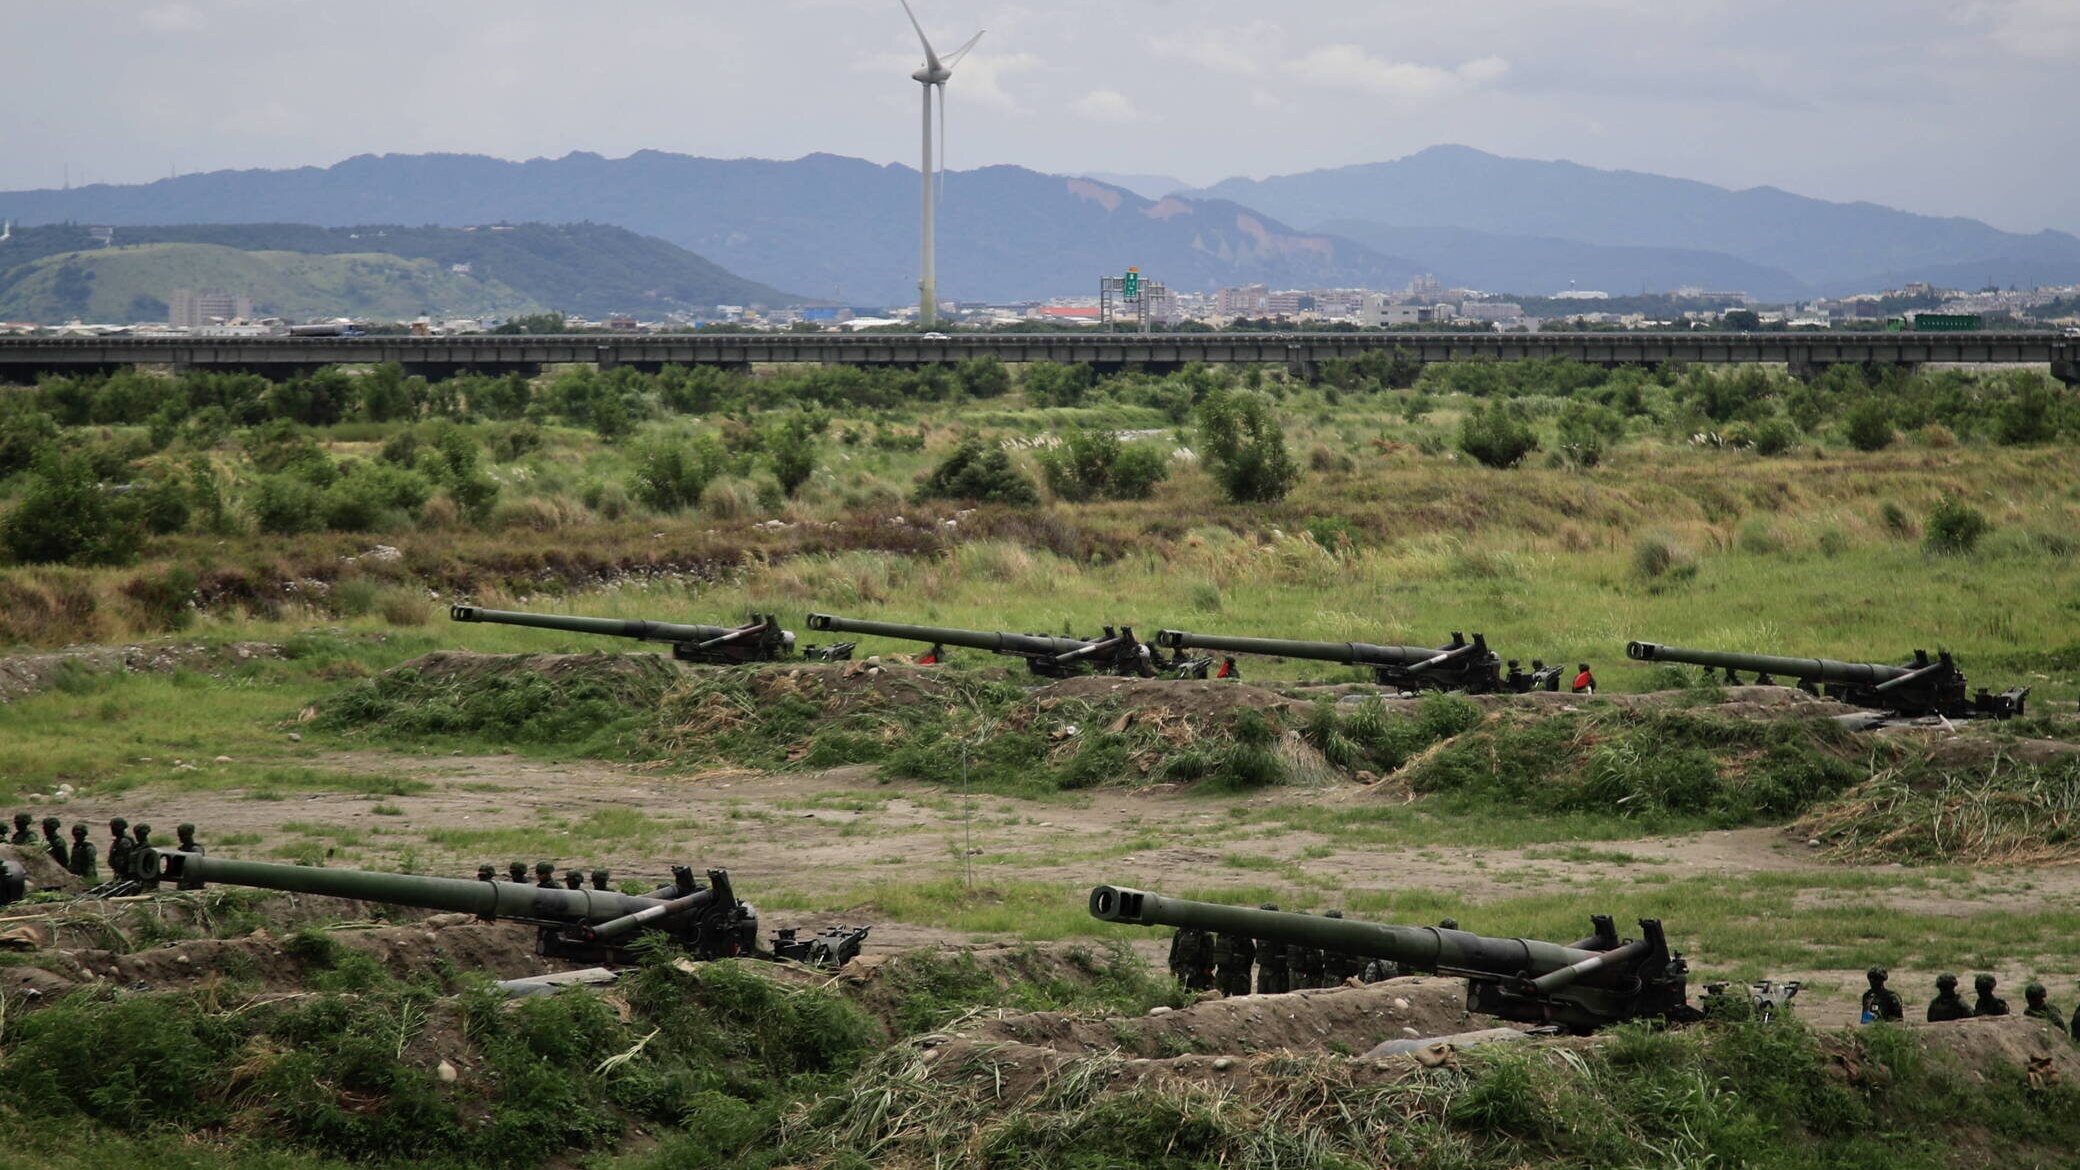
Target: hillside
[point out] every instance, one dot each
(134, 283)
(824, 226)
(1832, 247)
(591, 269)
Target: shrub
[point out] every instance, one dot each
(1658, 557)
(1497, 434)
(983, 377)
(791, 449)
(670, 475)
(1896, 520)
(1869, 425)
(1774, 437)
(2028, 414)
(1954, 527)
(1245, 447)
(1585, 431)
(1050, 384)
(979, 474)
(1093, 464)
(286, 505)
(64, 516)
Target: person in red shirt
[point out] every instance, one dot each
(1585, 683)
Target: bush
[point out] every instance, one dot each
(64, 517)
(983, 377)
(1245, 447)
(979, 474)
(1497, 434)
(670, 475)
(1954, 527)
(791, 449)
(1093, 464)
(286, 505)
(1585, 431)
(1868, 426)
(1774, 437)
(1657, 557)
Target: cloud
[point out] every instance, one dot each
(2041, 30)
(1241, 52)
(172, 18)
(1351, 67)
(981, 77)
(1109, 105)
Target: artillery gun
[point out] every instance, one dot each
(1921, 687)
(759, 640)
(1116, 651)
(1580, 986)
(1459, 666)
(582, 925)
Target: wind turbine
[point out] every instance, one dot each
(934, 75)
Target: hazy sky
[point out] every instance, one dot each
(1958, 107)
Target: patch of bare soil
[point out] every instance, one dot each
(1215, 1040)
(22, 675)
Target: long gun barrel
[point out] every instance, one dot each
(1597, 981)
(1923, 686)
(1114, 651)
(759, 640)
(709, 921)
(1458, 666)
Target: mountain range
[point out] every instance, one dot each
(841, 229)
(383, 272)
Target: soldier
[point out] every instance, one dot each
(1987, 1003)
(573, 880)
(1191, 958)
(1233, 955)
(487, 873)
(23, 835)
(599, 879)
(141, 840)
(1338, 967)
(1584, 682)
(2038, 1009)
(545, 875)
(1881, 1002)
(119, 847)
(56, 844)
(1947, 1005)
(1306, 964)
(516, 872)
(185, 835)
(1272, 975)
(82, 863)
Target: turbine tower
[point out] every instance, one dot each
(934, 75)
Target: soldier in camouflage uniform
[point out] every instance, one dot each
(1337, 968)
(119, 847)
(1306, 964)
(1947, 1005)
(54, 844)
(1987, 1003)
(1233, 954)
(2037, 1008)
(1274, 977)
(81, 862)
(23, 835)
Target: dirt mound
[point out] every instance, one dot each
(461, 666)
(1986, 1044)
(22, 675)
(1191, 698)
(437, 945)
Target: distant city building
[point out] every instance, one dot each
(1491, 311)
(1581, 294)
(1289, 303)
(1250, 300)
(195, 308)
(1380, 312)
(1425, 287)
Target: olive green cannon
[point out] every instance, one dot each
(759, 640)
(1458, 666)
(1581, 986)
(1923, 686)
(1116, 651)
(586, 925)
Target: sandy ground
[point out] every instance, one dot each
(827, 838)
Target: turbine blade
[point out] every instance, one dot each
(931, 59)
(954, 58)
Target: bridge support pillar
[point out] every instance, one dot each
(2067, 372)
(1299, 366)
(606, 358)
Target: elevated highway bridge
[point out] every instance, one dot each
(22, 359)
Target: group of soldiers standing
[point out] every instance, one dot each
(80, 857)
(1203, 960)
(1881, 1003)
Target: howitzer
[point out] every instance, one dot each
(1112, 652)
(1580, 986)
(759, 640)
(1923, 686)
(1459, 666)
(585, 925)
